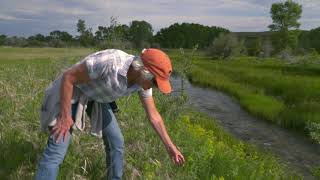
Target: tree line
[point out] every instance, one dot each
(284, 35)
(137, 34)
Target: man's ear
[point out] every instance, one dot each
(137, 63)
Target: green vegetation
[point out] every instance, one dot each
(316, 172)
(310, 40)
(7, 53)
(188, 35)
(285, 18)
(210, 152)
(287, 94)
(226, 45)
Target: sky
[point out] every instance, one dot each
(29, 17)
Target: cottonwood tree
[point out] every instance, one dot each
(114, 36)
(226, 45)
(61, 35)
(141, 33)
(16, 41)
(285, 18)
(2, 39)
(253, 46)
(58, 38)
(310, 40)
(37, 40)
(86, 37)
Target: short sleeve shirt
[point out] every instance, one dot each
(107, 70)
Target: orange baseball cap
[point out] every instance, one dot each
(159, 64)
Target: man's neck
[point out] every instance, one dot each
(132, 76)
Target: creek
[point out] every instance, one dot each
(295, 150)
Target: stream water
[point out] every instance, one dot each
(295, 150)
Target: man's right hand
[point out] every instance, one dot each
(61, 128)
(176, 155)
(74, 75)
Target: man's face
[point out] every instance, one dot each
(146, 80)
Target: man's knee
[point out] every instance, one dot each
(55, 152)
(114, 141)
(119, 143)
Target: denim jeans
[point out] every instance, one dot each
(113, 140)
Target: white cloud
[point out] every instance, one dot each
(236, 15)
(242, 23)
(239, 5)
(41, 8)
(72, 11)
(5, 17)
(309, 3)
(310, 23)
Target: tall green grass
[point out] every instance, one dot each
(287, 94)
(251, 98)
(10, 53)
(210, 152)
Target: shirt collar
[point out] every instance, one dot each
(124, 69)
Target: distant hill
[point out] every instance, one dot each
(264, 34)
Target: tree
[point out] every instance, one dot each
(253, 45)
(123, 32)
(187, 35)
(60, 39)
(266, 48)
(36, 40)
(16, 41)
(285, 18)
(310, 39)
(86, 37)
(114, 36)
(101, 34)
(81, 26)
(226, 45)
(256, 47)
(61, 35)
(140, 33)
(2, 39)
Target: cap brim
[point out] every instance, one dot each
(164, 85)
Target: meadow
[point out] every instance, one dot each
(210, 152)
(280, 92)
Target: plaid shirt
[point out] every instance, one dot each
(107, 70)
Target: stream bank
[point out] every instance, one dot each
(293, 149)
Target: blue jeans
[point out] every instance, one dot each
(113, 140)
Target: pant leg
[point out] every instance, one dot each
(114, 143)
(53, 156)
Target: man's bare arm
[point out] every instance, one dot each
(74, 75)
(157, 123)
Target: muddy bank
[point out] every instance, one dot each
(293, 149)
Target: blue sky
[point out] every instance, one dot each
(28, 17)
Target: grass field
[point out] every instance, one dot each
(209, 151)
(286, 94)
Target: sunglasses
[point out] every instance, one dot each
(149, 76)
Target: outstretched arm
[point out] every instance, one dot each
(159, 127)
